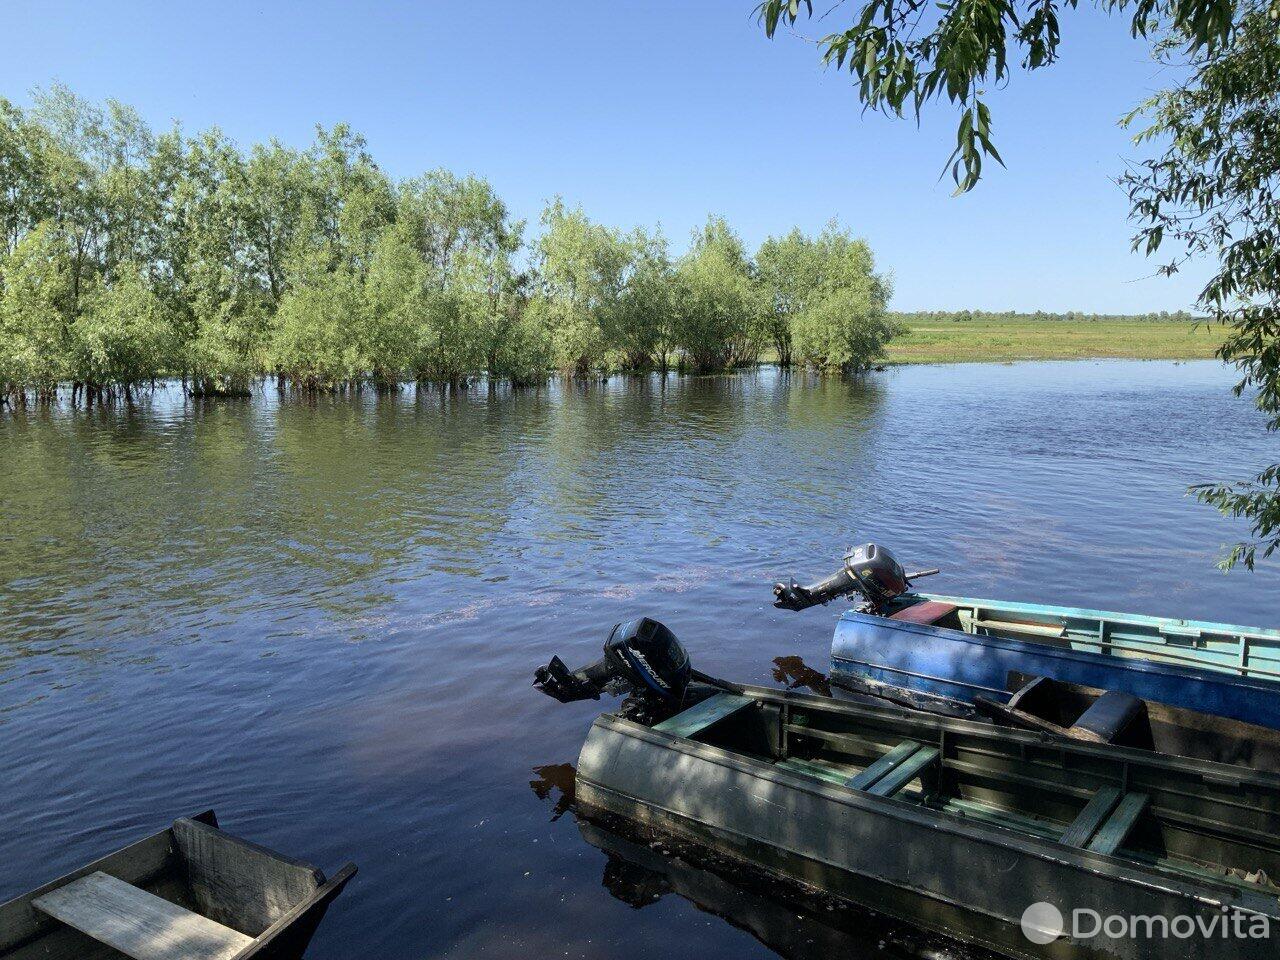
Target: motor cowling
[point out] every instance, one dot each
(870, 570)
(648, 654)
(641, 657)
(879, 575)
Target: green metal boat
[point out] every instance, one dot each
(955, 825)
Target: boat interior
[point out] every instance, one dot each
(190, 890)
(1244, 651)
(1201, 822)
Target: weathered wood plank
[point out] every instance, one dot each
(139, 863)
(139, 924)
(1114, 832)
(241, 884)
(905, 772)
(1088, 821)
(697, 718)
(889, 761)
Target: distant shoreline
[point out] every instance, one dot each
(1006, 341)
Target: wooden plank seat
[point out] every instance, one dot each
(137, 923)
(897, 768)
(927, 612)
(1112, 834)
(1106, 820)
(700, 717)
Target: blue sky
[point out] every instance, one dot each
(651, 111)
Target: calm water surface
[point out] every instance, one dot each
(321, 620)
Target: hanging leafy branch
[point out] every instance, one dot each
(905, 54)
(1212, 189)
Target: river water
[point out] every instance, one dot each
(321, 619)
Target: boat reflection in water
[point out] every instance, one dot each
(555, 778)
(794, 924)
(795, 674)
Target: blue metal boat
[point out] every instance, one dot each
(962, 648)
(963, 657)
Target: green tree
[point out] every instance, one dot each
(1214, 190)
(465, 239)
(641, 325)
(905, 54)
(395, 305)
(346, 203)
(720, 309)
(125, 337)
(787, 270)
(26, 195)
(197, 253)
(840, 322)
(582, 268)
(36, 314)
(318, 344)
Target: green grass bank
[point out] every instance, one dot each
(996, 339)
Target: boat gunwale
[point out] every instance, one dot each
(1137, 619)
(164, 845)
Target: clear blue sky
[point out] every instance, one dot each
(649, 111)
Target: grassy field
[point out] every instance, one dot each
(996, 340)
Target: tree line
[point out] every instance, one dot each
(924, 317)
(128, 257)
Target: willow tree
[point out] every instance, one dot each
(841, 321)
(581, 266)
(719, 308)
(125, 339)
(27, 196)
(1210, 187)
(1215, 191)
(198, 254)
(466, 239)
(787, 272)
(35, 314)
(641, 326)
(389, 320)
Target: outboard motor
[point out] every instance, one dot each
(870, 570)
(642, 658)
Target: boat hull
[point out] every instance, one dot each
(964, 879)
(952, 663)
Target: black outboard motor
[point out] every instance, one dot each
(642, 658)
(870, 570)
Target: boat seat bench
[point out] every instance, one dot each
(699, 717)
(137, 923)
(1106, 820)
(897, 768)
(925, 613)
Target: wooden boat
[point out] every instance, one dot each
(963, 648)
(955, 825)
(189, 892)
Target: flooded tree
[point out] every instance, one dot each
(128, 258)
(720, 308)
